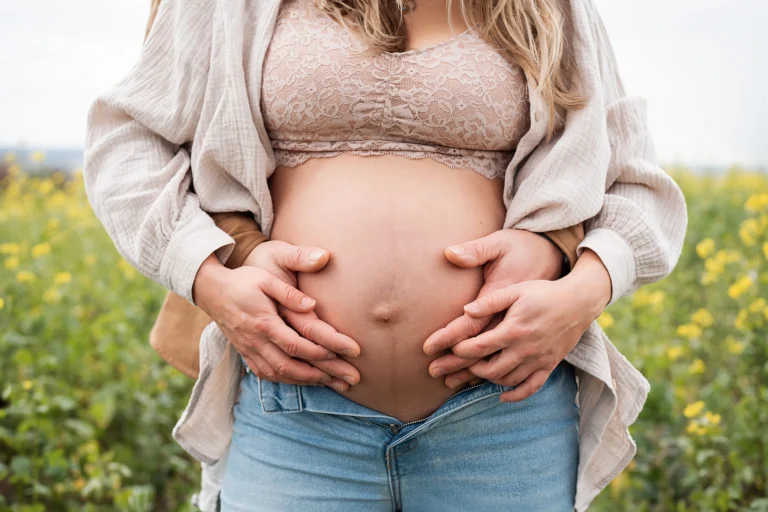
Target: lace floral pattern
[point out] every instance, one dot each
(458, 102)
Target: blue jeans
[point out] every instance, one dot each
(308, 449)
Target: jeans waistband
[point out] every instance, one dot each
(282, 397)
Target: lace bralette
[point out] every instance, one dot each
(458, 101)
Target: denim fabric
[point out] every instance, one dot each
(309, 449)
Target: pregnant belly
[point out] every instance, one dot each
(386, 221)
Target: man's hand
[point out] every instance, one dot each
(244, 303)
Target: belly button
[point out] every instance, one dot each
(385, 313)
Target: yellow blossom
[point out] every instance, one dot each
(605, 320)
(53, 224)
(11, 263)
(757, 202)
(25, 276)
(79, 483)
(757, 305)
(693, 409)
(689, 331)
(697, 366)
(62, 278)
(128, 271)
(705, 248)
(674, 353)
(27, 385)
(703, 317)
(733, 346)
(692, 427)
(741, 320)
(749, 231)
(712, 419)
(14, 170)
(41, 249)
(45, 186)
(9, 248)
(765, 249)
(51, 295)
(2, 303)
(701, 431)
(37, 156)
(738, 288)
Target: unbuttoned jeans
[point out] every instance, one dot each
(309, 449)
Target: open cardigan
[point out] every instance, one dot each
(151, 188)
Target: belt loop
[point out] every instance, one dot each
(279, 396)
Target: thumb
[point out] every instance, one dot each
(475, 252)
(300, 258)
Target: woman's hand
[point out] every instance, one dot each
(510, 256)
(241, 302)
(543, 321)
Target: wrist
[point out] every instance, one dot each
(591, 282)
(208, 281)
(564, 264)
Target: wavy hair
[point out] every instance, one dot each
(530, 33)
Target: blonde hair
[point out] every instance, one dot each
(530, 33)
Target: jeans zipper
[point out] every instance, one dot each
(394, 428)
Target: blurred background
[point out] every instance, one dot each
(87, 407)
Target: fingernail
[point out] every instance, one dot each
(471, 307)
(431, 350)
(438, 372)
(338, 386)
(307, 302)
(326, 378)
(453, 383)
(330, 355)
(349, 380)
(315, 255)
(457, 250)
(349, 352)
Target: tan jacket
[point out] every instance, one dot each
(177, 329)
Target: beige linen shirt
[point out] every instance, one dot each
(151, 188)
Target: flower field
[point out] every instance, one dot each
(87, 407)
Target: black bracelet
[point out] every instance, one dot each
(566, 263)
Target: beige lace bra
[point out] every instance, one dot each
(458, 102)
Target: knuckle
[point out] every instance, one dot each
(291, 348)
(269, 375)
(283, 369)
(478, 247)
(261, 324)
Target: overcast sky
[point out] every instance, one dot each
(702, 65)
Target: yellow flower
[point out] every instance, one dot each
(605, 320)
(697, 366)
(2, 303)
(738, 288)
(757, 202)
(128, 271)
(741, 320)
(45, 186)
(37, 156)
(9, 248)
(53, 224)
(51, 295)
(692, 427)
(25, 276)
(749, 231)
(14, 170)
(27, 385)
(11, 263)
(733, 346)
(62, 278)
(701, 431)
(705, 248)
(712, 419)
(693, 409)
(689, 331)
(41, 249)
(757, 305)
(674, 353)
(703, 317)
(79, 483)
(765, 249)
(90, 259)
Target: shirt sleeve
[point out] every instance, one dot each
(639, 231)
(136, 167)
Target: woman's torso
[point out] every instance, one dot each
(443, 121)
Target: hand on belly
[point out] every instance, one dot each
(386, 222)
